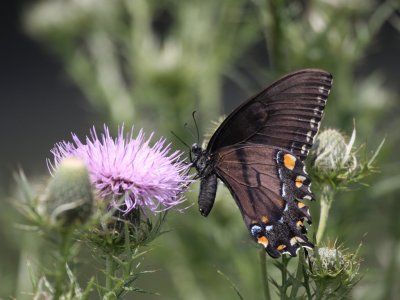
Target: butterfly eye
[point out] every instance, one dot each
(196, 149)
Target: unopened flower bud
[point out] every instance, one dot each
(334, 270)
(329, 260)
(332, 155)
(69, 194)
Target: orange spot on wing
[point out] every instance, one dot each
(264, 219)
(289, 161)
(280, 247)
(263, 241)
(299, 223)
(299, 181)
(300, 205)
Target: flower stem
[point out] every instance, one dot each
(109, 272)
(391, 272)
(323, 218)
(61, 273)
(299, 276)
(276, 36)
(326, 201)
(284, 271)
(306, 282)
(264, 274)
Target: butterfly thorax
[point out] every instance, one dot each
(201, 160)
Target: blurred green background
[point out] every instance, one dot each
(66, 65)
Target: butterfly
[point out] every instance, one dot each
(258, 152)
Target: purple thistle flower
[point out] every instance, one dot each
(129, 168)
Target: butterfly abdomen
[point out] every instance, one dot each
(208, 190)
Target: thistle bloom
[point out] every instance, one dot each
(127, 171)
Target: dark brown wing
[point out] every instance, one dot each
(264, 182)
(286, 114)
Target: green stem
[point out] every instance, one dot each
(306, 281)
(264, 274)
(272, 23)
(323, 219)
(326, 202)
(109, 272)
(285, 261)
(299, 276)
(276, 36)
(88, 289)
(390, 281)
(61, 272)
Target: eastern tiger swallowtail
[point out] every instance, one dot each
(259, 152)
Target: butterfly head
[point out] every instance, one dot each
(198, 159)
(196, 150)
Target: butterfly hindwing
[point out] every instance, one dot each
(274, 219)
(295, 182)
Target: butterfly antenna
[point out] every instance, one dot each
(182, 141)
(190, 132)
(197, 127)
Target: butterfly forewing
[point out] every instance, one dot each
(286, 114)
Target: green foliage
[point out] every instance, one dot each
(128, 67)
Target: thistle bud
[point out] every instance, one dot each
(69, 195)
(334, 270)
(329, 261)
(331, 153)
(332, 157)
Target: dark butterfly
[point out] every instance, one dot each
(259, 152)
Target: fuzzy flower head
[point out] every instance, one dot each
(335, 162)
(332, 155)
(335, 270)
(127, 171)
